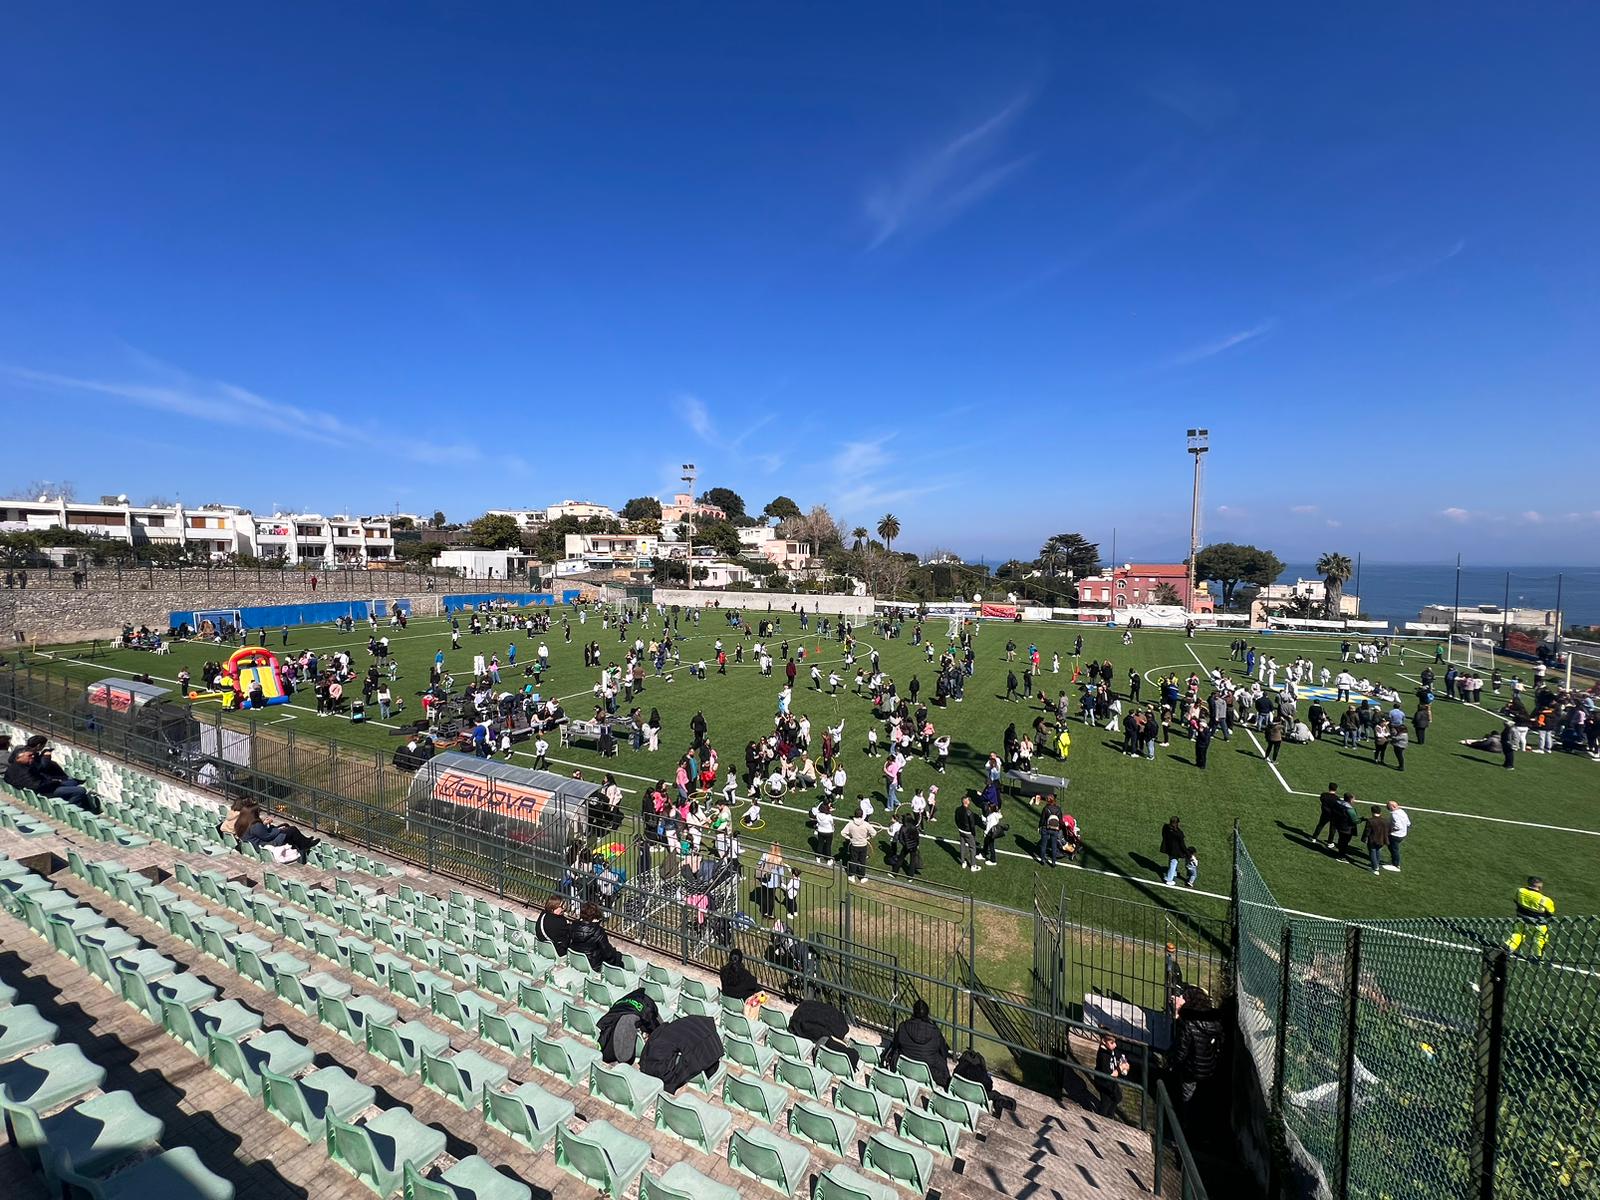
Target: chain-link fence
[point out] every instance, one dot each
(1430, 1058)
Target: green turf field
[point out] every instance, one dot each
(1477, 829)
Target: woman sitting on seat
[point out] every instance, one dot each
(737, 980)
(553, 925)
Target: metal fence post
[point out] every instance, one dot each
(1489, 1060)
(1347, 1068)
(1280, 1055)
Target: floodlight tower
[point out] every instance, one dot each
(688, 477)
(1199, 443)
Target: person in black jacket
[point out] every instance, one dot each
(737, 981)
(588, 937)
(920, 1039)
(1198, 1045)
(619, 1029)
(553, 925)
(1109, 1060)
(32, 769)
(681, 1050)
(971, 1066)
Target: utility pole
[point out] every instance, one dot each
(1199, 444)
(688, 477)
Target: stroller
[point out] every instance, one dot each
(358, 711)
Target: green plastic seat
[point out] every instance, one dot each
(462, 1076)
(785, 1042)
(582, 1020)
(774, 1017)
(529, 1113)
(147, 964)
(822, 1126)
(353, 1017)
(709, 1083)
(403, 1044)
(307, 1103)
(803, 1077)
(700, 990)
(602, 994)
(305, 991)
(417, 986)
(24, 1028)
(739, 1025)
(970, 1090)
(629, 1088)
(227, 948)
(513, 1032)
(49, 1077)
(897, 1087)
(963, 1114)
(89, 1138)
(835, 1062)
(914, 1069)
(753, 1058)
(176, 1174)
(244, 1061)
(696, 1121)
(775, 1161)
(283, 963)
(151, 996)
(194, 1026)
(665, 976)
(602, 1156)
(538, 999)
(927, 1129)
(696, 1006)
(564, 1057)
(909, 1165)
(473, 1178)
(871, 1053)
(461, 1008)
(839, 1182)
(377, 1151)
(683, 1182)
(862, 1101)
(755, 1096)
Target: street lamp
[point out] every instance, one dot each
(688, 478)
(1199, 443)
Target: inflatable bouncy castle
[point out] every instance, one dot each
(246, 670)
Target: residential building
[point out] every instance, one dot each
(684, 505)
(720, 574)
(217, 530)
(582, 509)
(310, 539)
(611, 548)
(789, 554)
(1489, 619)
(479, 563)
(1134, 585)
(527, 519)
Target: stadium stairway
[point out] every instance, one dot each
(400, 996)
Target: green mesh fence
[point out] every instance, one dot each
(1423, 1058)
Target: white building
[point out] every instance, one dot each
(218, 530)
(1489, 617)
(1314, 590)
(582, 509)
(609, 549)
(311, 539)
(719, 574)
(789, 554)
(479, 563)
(526, 518)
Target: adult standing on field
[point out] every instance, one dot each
(1329, 817)
(1399, 829)
(1376, 835)
(969, 827)
(1176, 847)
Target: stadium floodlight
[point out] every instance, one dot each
(1199, 442)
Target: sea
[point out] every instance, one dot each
(1397, 592)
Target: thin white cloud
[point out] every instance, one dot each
(697, 417)
(1533, 518)
(1306, 510)
(934, 189)
(1455, 514)
(1332, 524)
(221, 403)
(862, 457)
(1224, 344)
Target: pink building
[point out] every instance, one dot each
(1135, 585)
(683, 505)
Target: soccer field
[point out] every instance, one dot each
(1477, 829)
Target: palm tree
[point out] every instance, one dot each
(860, 535)
(1335, 570)
(888, 530)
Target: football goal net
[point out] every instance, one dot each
(1582, 669)
(1468, 650)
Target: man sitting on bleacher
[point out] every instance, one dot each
(32, 768)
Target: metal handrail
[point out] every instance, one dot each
(1190, 1186)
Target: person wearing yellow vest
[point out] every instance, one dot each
(1534, 910)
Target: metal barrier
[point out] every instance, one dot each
(1189, 1185)
(1437, 1059)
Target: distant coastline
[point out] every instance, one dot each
(1395, 592)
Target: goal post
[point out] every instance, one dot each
(1470, 650)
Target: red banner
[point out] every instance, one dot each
(1006, 612)
(469, 791)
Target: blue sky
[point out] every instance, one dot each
(978, 265)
